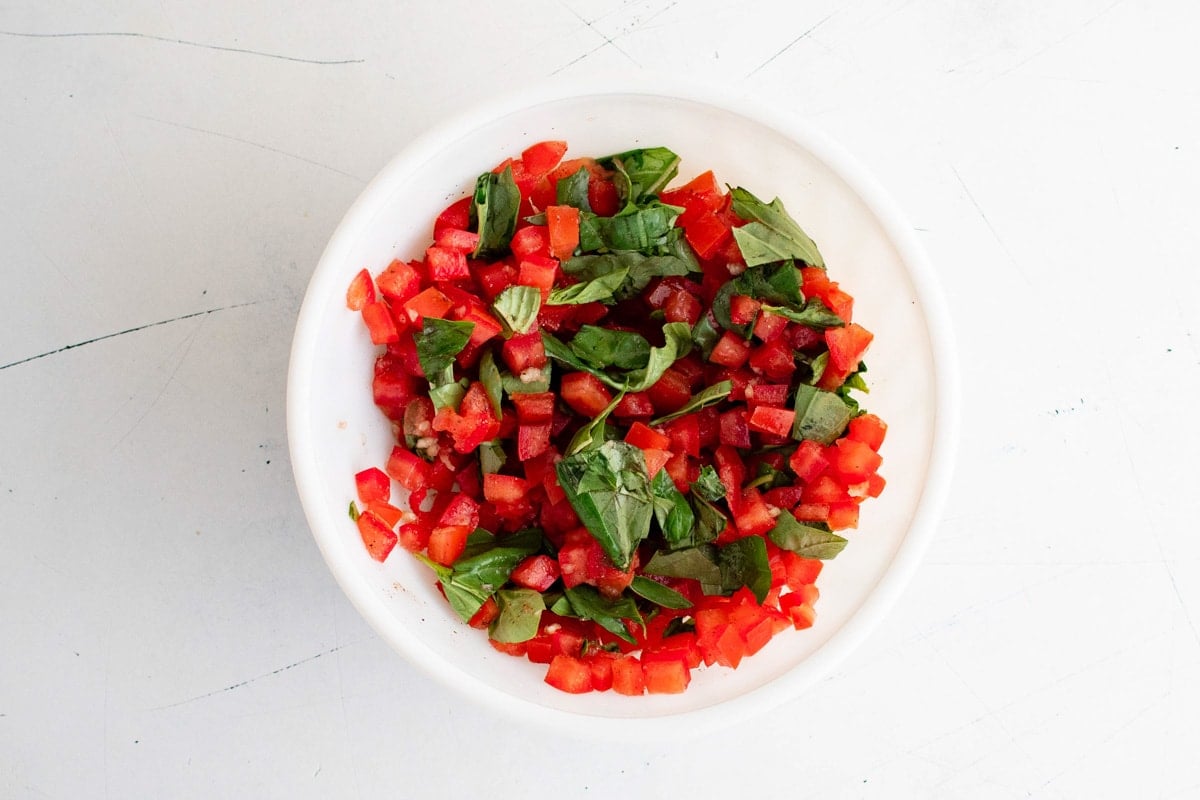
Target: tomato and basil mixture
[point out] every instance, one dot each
(622, 415)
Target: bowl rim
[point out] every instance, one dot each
(879, 599)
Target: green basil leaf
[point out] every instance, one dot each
(640, 269)
(811, 540)
(561, 605)
(855, 380)
(710, 395)
(697, 563)
(706, 332)
(491, 457)
(605, 347)
(708, 486)
(675, 517)
(587, 603)
(465, 595)
(784, 285)
(538, 383)
(814, 315)
(678, 341)
(644, 229)
(517, 307)
(772, 234)
(679, 625)
(573, 190)
(658, 594)
(353, 511)
(600, 289)
(495, 207)
(820, 416)
(818, 365)
(648, 171)
(677, 247)
(445, 392)
(743, 562)
(594, 433)
(560, 352)
(519, 617)
(439, 341)
(609, 488)
(710, 522)
(493, 384)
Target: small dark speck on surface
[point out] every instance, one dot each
(268, 461)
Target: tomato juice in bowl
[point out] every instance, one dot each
(336, 431)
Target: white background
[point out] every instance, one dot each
(169, 175)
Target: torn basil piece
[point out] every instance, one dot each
(811, 540)
(494, 210)
(820, 415)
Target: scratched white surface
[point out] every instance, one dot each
(169, 174)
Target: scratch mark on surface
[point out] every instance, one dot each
(577, 59)
(790, 45)
(135, 329)
(1058, 41)
(179, 363)
(249, 681)
(983, 215)
(169, 40)
(1087, 752)
(252, 144)
(259, 145)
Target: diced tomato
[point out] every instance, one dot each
(641, 435)
(783, 496)
(446, 265)
(634, 404)
(855, 461)
(808, 461)
(380, 324)
(666, 677)
(868, 429)
(534, 407)
(773, 359)
(458, 241)
(361, 291)
(670, 392)
(569, 674)
(707, 234)
(457, 215)
(803, 616)
(446, 543)
(811, 512)
(684, 435)
(778, 421)
(503, 488)
(628, 678)
(825, 489)
(753, 517)
(742, 309)
(770, 327)
(585, 394)
(732, 473)
(542, 157)
(429, 303)
(378, 537)
(387, 513)
(875, 485)
(372, 486)
(767, 394)
(601, 665)
(486, 614)
(462, 510)
(536, 572)
(532, 440)
(603, 197)
(524, 351)
(847, 345)
(656, 460)
(735, 430)
(800, 570)
(414, 536)
(581, 559)
(730, 350)
(682, 306)
(563, 224)
(539, 272)
(407, 469)
(532, 240)
(803, 337)
(495, 278)
(843, 516)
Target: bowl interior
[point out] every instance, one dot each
(336, 430)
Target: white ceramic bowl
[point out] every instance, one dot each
(334, 429)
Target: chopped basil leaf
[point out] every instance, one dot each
(605, 347)
(771, 235)
(743, 562)
(491, 457)
(439, 341)
(517, 307)
(820, 416)
(587, 603)
(814, 315)
(679, 625)
(520, 613)
(561, 606)
(493, 384)
(494, 209)
(639, 269)
(536, 383)
(482, 569)
(697, 563)
(811, 540)
(710, 395)
(573, 190)
(656, 593)
(609, 488)
(634, 228)
(708, 486)
(646, 171)
(710, 522)
(353, 511)
(675, 517)
(445, 392)
(678, 336)
(595, 432)
(706, 333)
(817, 365)
(600, 289)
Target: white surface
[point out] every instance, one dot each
(335, 430)
(169, 627)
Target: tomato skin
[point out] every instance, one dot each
(707, 235)
(536, 572)
(534, 407)
(603, 197)
(503, 488)
(641, 435)
(360, 291)
(456, 215)
(408, 469)
(682, 306)
(666, 677)
(563, 225)
(868, 429)
(585, 394)
(854, 461)
(847, 345)
(778, 421)
(734, 428)
(670, 392)
(378, 538)
(446, 543)
(808, 461)
(730, 350)
(628, 678)
(532, 240)
(428, 303)
(569, 674)
(380, 324)
(683, 435)
(446, 265)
